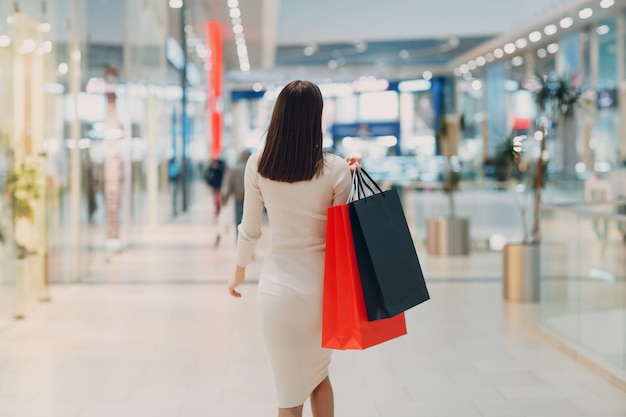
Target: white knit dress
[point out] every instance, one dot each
(291, 282)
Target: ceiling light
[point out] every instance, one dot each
(605, 4)
(509, 48)
(332, 64)
(476, 85)
(233, 3)
(550, 30)
(457, 72)
(235, 12)
(603, 30)
(427, 75)
(404, 54)
(489, 57)
(498, 53)
(464, 68)
(237, 29)
(44, 27)
(566, 22)
(471, 65)
(535, 36)
(553, 48)
(4, 41)
(480, 61)
(541, 53)
(63, 68)
(585, 13)
(176, 4)
(521, 43)
(517, 61)
(309, 50)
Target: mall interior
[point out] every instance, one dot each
(499, 123)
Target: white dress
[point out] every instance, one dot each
(291, 282)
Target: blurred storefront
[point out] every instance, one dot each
(90, 115)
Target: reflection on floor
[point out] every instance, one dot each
(153, 333)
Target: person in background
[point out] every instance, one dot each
(296, 182)
(214, 177)
(235, 185)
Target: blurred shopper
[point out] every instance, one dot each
(296, 182)
(235, 185)
(214, 177)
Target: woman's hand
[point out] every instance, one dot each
(354, 162)
(237, 278)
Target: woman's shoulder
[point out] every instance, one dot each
(335, 161)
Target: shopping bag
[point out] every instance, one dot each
(344, 318)
(390, 271)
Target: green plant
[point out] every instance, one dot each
(451, 177)
(23, 185)
(556, 98)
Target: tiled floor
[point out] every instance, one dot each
(153, 333)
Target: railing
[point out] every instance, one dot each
(583, 278)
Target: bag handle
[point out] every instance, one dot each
(371, 180)
(360, 183)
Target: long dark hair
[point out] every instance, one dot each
(293, 147)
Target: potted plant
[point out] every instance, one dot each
(24, 189)
(449, 235)
(555, 97)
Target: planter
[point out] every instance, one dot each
(520, 278)
(448, 236)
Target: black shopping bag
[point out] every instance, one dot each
(391, 274)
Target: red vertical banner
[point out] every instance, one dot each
(214, 85)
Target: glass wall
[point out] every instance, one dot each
(583, 281)
(83, 104)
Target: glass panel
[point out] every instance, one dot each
(583, 275)
(560, 272)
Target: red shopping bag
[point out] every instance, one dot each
(344, 317)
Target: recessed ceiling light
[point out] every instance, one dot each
(517, 61)
(481, 60)
(535, 36)
(603, 30)
(585, 13)
(553, 48)
(509, 48)
(550, 30)
(566, 22)
(498, 53)
(605, 4)
(541, 53)
(521, 43)
(404, 54)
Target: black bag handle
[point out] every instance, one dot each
(360, 173)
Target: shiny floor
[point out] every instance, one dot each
(153, 333)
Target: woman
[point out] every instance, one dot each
(296, 182)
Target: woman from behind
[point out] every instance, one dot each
(296, 182)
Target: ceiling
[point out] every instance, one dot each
(346, 39)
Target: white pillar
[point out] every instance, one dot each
(74, 87)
